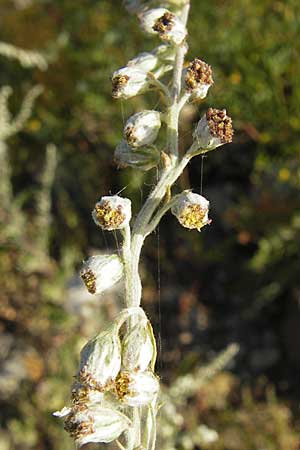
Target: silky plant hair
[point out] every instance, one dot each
(116, 393)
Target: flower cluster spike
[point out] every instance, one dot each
(111, 376)
(116, 374)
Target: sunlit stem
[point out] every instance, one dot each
(144, 223)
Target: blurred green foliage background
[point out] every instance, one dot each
(236, 281)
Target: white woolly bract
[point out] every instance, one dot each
(165, 53)
(106, 269)
(117, 204)
(128, 82)
(107, 424)
(142, 128)
(144, 61)
(138, 347)
(63, 412)
(94, 423)
(100, 360)
(200, 91)
(142, 388)
(190, 199)
(175, 32)
(203, 136)
(149, 17)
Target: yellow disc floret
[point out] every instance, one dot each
(193, 216)
(107, 217)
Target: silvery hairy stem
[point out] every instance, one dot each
(168, 175)
(133, 243)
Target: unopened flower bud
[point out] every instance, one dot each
(93, 423)
(142, 128)
(138, 347)
(143, 158)
(100, 360)
(137, 388)
(145, 61)
(128, 82)
(198, 78)
(101, 272)
(166, 53)
(214, 129)
(164, 23)
(112, 212)
(191, 210)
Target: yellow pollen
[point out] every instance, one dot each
(121, 383)
(107, 217)
(192, 216)
(89, 280)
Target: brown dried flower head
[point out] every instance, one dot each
(198, 72)
(164, 23)
(220, 125)
(213, 130)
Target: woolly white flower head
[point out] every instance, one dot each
(100, 360)
(101, 272)
(164, 23)
(145, 61)
(128, 82)
(142, 128)
(137, 388)
(93, 423)
(112, 212)
(191, 210)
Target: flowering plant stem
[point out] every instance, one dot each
(118, 389)
(143, 226)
